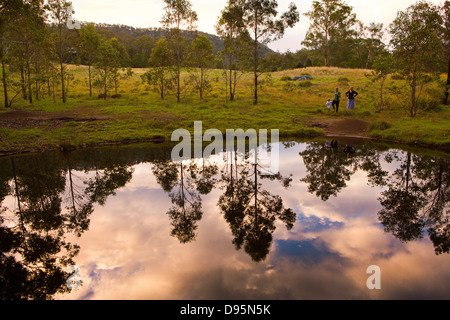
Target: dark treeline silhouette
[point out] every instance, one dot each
(51, 202)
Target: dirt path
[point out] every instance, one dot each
(346, 127)
(22, 119)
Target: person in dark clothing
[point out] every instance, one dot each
(351, 94)
(337, 98)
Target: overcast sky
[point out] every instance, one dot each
(147, 13)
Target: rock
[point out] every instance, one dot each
(302, 78)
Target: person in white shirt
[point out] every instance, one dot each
(329, 104)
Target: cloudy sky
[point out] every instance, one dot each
(147, 13)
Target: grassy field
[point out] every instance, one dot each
(140, 114)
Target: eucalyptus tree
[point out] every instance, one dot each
(260, 18)
(162, 73)
(178, 15)
(89, 43)
(107, 63)
(446, 41)
(230, 26)
(60, 11)
(332, 23)
(416, 39)
(383, 65)
(201, 58)
(8, 11)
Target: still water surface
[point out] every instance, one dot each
(138, 226)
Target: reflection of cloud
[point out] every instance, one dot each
(128, 252)
(316, 224)
(309, 252)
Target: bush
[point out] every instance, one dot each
(429, 105)
(286, 78)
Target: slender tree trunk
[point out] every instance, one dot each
(255, 56)
(231, 80)
(53, 91)
(90, 81)
(178, 64)
(413, 97)
(408, 168)
(22, 82)
(106, 81)
(30, 94)
(63, 86)
(5, 84)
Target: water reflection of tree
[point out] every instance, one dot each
(330, 168)
(417, 199)
(51, 201)
(251, 211)
(185, 182)
(33, 249)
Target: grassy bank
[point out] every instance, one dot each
(139, 114)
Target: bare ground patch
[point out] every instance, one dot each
(344, 127)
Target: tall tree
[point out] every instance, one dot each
(162, 74)
(230, 26)
(107, 63)
(416, 42)
(90, 40)
(382, 67)
(331, 27)
(260, 19)
(201, 59)
(60, 12)
(446, 18)
(8, 10)
(178, 14)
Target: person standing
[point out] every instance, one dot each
(351, 94)
(337, 98)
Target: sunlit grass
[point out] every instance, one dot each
(140, 113)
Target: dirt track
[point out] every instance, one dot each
(345, 127)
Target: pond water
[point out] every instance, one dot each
(128, 223)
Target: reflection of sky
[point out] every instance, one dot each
(128, 252)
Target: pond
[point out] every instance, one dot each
(128, 223)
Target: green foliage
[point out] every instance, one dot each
(416, 40)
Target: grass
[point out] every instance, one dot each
(140, 114)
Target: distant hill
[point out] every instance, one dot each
(159, 32)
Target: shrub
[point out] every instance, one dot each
(286, 78)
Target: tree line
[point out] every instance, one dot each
(37, 42)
